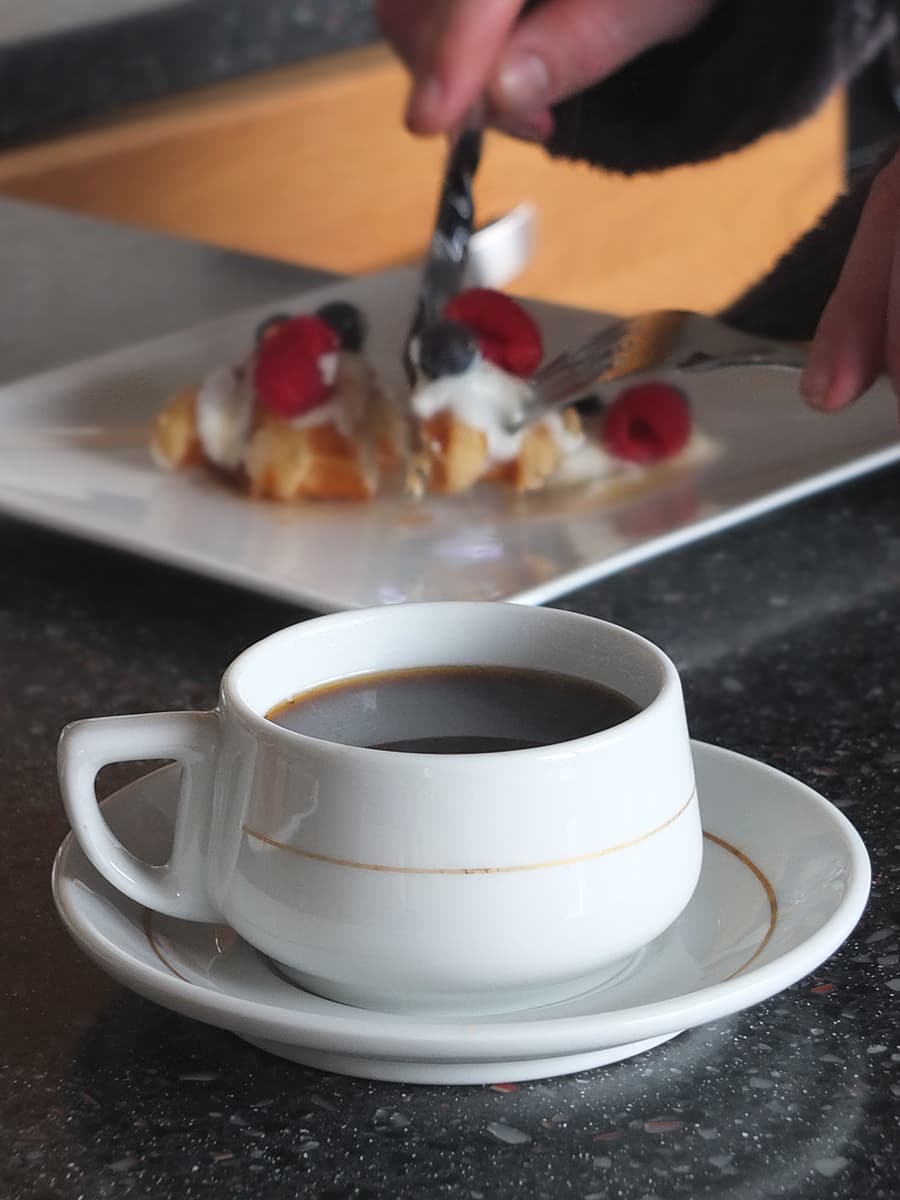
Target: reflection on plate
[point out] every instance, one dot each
(88, 472)
(784, 880)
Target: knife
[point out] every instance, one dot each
(445, 263)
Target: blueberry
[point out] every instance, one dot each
(591, 405)
(347, 322)
(264, 328)
(447, 348)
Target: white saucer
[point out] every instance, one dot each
(785, 878)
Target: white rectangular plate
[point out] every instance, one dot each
(73, 457)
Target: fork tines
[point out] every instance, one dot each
(575, 370)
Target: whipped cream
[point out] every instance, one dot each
(224, 415)
(225, 406)
(328, 367)
(485, 397)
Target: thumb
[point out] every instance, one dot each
(564, 46)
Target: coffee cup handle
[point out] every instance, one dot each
(177, 888)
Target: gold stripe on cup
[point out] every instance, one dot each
(354, 864)
(742, 858)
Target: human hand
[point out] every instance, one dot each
(462, 51)
(858, 335)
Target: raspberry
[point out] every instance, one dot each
(507, 334)
(647, 423)
(287, 377)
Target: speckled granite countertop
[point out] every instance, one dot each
(785, 631)
(49, 82)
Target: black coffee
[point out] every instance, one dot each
(454, 710)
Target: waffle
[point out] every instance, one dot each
(341, 457)
(454, 455)
(174, 440)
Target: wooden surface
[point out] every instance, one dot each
(311, 164)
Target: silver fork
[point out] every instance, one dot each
(668, 339)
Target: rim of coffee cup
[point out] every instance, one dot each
(267, 730)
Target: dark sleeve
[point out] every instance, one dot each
(752, 67)
(788, 302)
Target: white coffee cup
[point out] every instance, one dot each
(419, 883)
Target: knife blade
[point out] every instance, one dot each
(448, 250)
